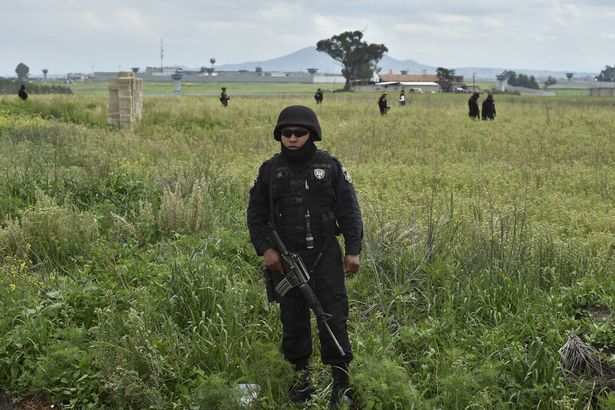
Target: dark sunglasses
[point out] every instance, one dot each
(299, 132)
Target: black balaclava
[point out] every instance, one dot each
(300, 158)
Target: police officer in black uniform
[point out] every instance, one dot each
(474, 112)
(488, 108)
(383, 105)
(22, 93)
(309, 198)
(224, 97)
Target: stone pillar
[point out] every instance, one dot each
(125, 100)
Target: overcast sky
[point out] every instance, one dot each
(81, 35)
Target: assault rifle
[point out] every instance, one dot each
(297, 276)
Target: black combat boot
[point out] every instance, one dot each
(340, 390)
(303, 388)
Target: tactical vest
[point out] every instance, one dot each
(304, 200)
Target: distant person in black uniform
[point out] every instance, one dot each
(23, 94)
(308, 196)
(473, 105)
(383, 105)
(402, 98)
(489, 108)
(224, 97)
(318, 96)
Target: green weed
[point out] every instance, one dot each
(127, 279)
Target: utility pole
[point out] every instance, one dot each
(161, 55)
(474, 82)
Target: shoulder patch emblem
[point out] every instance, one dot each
(346, 175)
(319, 173)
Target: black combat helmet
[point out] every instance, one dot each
(298, 116)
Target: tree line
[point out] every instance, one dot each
(521, 80)
(608, 74)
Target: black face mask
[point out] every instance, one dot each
(301, 157)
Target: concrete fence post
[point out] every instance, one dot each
(125, 100)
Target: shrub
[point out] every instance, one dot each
(267, 367)
(48, 232)
(215, 392)
(380, 383)
(186, 213)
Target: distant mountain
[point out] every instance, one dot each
(489, 74)
(389, 63)
(300, 60)
(309, 57)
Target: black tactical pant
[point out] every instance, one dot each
(328, 284)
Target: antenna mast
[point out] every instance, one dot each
(161, 55)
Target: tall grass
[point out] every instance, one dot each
(127, 279)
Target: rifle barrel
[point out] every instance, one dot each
(337, 344)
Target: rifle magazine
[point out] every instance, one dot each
(283, 287)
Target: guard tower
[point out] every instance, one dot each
(177, 80)
(501, 82)
(125, 100)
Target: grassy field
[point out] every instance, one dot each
(253, 89)
(187, 88)
(570, 92)
(559, 92)
(127, 279)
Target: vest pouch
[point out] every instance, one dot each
(329, 226)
